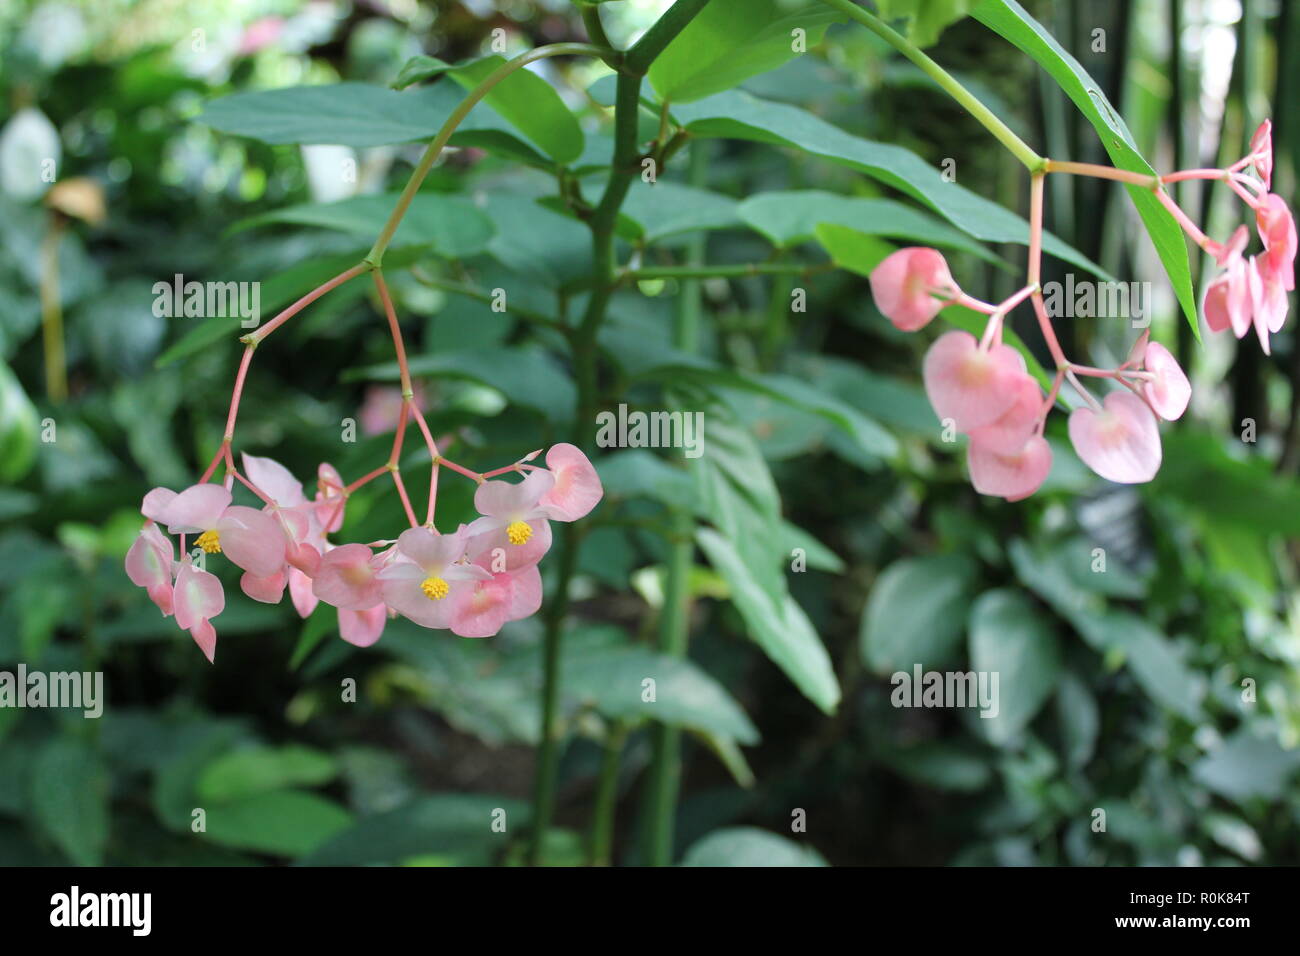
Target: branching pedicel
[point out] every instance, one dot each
(984, 389)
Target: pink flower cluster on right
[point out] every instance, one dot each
(982, 388)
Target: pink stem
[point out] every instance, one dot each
(461, 470)
(1185, 174)
(253, 338)
(406, 502)
(977, 305)
(1200, 238)
(1101, 172)
(252, 487)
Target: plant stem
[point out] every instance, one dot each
(1102, 172)
(56, 371)
(664, 781)
(627, 102)
(1032, 161)
(722, 271)
(602, 826)
(376, 254)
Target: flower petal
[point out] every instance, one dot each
(362, 628)
(501, 499)
(1016, 475)
(252, 540)
(577, 487)
(969, 386)
(197, 508)
(1121, 442)
(1169, 392)
(347, 580)
(274, 480)
(198, 596)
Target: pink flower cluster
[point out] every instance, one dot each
(471, 581)
(1253, 291)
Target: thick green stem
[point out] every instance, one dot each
(674, 20)
(376, 254)
(723, 271)
(664, 781)
(946, 81)
(602, 826)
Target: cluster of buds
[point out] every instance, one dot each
(471, 582)
(982, 387)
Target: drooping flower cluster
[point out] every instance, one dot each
(982, 388)
(471, 581)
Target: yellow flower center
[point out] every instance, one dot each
(210, 542)
(435, 589)
(518, 532)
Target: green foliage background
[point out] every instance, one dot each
(1122, 690)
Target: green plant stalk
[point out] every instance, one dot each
(986, 117)
(723, 271)
(583, 342)
(375, 256)
(664, 781)
(602, 827)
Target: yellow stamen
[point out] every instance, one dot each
(518, 532)
(210, 542)
(435, 589)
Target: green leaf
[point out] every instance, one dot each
(452, 825)
(926, 19)
(1155, 661)
(944, 766)
(610, 679)
(451, 225)
(1009, 19)
(18, 426)
(916, 613)
(731, 40)
(281, 822)
(739, 115)
(750, 846)
(776, 623)
(789, 217)
(242, 773)
(665, 208)
(70, 799)
(1245, 767)
(1010, 637)
(1079, 720)
(530, 105)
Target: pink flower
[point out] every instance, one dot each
(198, 599)
(1227, 301)
(911, 285)
(422, 583)
(513, 529)
(577, 487)
(1121, 442)
(970, 385)
(329, 497)
(348, 578)
(249, 538)
(1012, 475)
(1261, 152)
(1169, 392)
(149, 565)
(362, 628)
(481, 609)
(1277, 230)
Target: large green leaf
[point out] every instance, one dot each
(926, 19)
(282, 822)
(242, 773)
(1156, 663)
(916, 613)
(530, 104)
(776, 623)
(70, 798)
(739, 115)
(452, 825)
(1009, 19)
(750, 846)
(792, 216)
(610, 679)
(731, 40)
(452, 225)
(1011, 637)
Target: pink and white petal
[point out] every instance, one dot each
(1014, 476)
(501, 499)
(268, 590)
(577, 487)
(300, 592)
(405, 596)
(205, 635)
(430, 550)
(482, 608)
(1008, 434)
(156, 501)
(252, 540)
(1122, 442)
(198, 596)
(274, 480)
(1170, 391)
(525, 594)
(363, 628)
(969, 386)
(346, 579)
(494, 551)
(197, 508)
